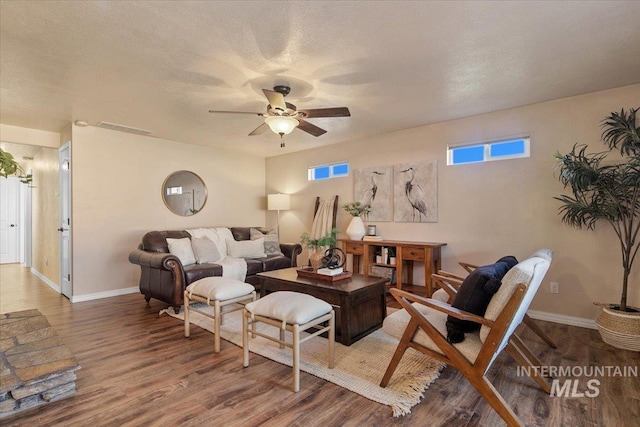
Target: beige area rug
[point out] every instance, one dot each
(358, 367)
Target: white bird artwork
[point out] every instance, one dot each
(369, 195)
(415, 195)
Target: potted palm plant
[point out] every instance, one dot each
(606, 191)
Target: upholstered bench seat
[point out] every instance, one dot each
(219, 288)
(218, 292)
(293, 312)
(289, 307)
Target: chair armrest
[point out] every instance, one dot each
(467, 266)
(441, 306)
(453, 276)
(448, 282)
(291, 250)
(158, 260)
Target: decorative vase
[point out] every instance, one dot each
(356, 229)
(316, 260)
(619, 328)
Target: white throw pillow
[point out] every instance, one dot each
(182, 249)
(204, 250)
(271, 242)
(246, 248)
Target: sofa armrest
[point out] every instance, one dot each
(291, 251)
(154, 260)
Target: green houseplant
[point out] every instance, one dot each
(605, 190)
(317, 246)
(9, 166)
(356, 229)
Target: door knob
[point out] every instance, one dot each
(62, 229)
(12, 225)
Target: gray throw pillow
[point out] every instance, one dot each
(271, 242)
(205, 250)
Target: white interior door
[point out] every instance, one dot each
(65, 220)
(9, 220)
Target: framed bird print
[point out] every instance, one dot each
(373, 188)
(415, 192)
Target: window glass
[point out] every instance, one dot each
(328, 171)
(489, 151)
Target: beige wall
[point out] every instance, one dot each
(117, 179)
(45, 214)
(29, 136)
(491, 209)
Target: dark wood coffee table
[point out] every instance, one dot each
(359, 302)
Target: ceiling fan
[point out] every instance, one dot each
(282, 117)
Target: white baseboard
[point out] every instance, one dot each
(106, 294)
(561, 318)
(45, 279)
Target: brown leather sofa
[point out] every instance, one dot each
(164, 277)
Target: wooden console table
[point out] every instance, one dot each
(364, 253)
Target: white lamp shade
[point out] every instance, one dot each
(279, 202)
(282, 124)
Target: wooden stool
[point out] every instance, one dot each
(217, 292)
(294, 312)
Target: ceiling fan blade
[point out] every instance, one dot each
(276, 99)
(238, 112)
(326, 112)
(309, 128)
(260, 129)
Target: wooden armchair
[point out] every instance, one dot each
(450, 283)
(421, 326)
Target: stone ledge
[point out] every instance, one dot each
(35, 366)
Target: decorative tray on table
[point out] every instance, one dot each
(309, 273)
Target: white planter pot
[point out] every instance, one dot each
(619, 329)
(356, 229)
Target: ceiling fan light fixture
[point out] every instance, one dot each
(282, 125)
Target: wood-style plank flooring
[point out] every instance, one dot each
(138, 369)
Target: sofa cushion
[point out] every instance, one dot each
(156, 241)
(271, 241)
(205, 250)
(199, 271)
(244, 233)
(276, 262)
(246, 248)
(182, 249)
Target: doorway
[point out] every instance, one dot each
(65, 220)
(9, 220)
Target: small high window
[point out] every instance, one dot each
(335, 170)
(488, 151)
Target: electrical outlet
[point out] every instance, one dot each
(553, 287)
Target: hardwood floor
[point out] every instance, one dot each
(138, 369)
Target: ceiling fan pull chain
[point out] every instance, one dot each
(281, 141)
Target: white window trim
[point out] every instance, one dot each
(487, 150)
(310, 170)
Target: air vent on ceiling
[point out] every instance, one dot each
(122, 128)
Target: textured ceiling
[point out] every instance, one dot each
(161, 65)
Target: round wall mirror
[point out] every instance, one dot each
(184, 193)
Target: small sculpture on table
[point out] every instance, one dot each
(332, 262)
